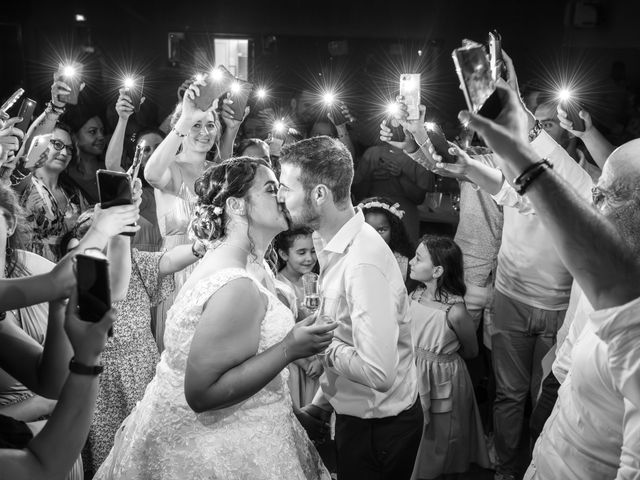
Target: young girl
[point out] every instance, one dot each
(296, 256)
(443, 334)
(386, 219)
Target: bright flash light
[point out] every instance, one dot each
(430, 126)
(129, 82)
(80, 18)
(279, 126)
(199, 77)
(393, 109)
(235, 87)
(329, 98)
(216, 74)
(261, 93)
(68, 71)
(564, 94)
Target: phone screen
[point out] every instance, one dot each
(474, 73)
(410, 90)
(27, 108)
(94, 292)
(114, 188)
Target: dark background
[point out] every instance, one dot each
(291, 41)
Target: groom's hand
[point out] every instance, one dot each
(315, 421)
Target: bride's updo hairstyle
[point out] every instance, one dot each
(231, 178)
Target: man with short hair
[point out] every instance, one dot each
(370, 377)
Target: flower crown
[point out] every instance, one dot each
(394, 209)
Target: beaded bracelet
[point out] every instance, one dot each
(526, 178)
(51, 108)
(181, 135)
(535, 131)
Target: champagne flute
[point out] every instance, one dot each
(311, 287)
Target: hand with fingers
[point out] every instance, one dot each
(59, 91)
(306, 338)
(190, 111)
(567, 124)
(315, 421)
(227, 114)
(315, 368)
(124, 107)
(10, 136)
(343, 117)
(88, 339)
(116, 220)
(458, 169)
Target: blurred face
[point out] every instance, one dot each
(90, 138)
(257, 151)
(306, 107)
(255, 127)
(422, 268)
(551, 124)
(301, 257)
(321, 128)
(58, 160)
(265, 213)
(148, 143)
(380, 223)
(203, 134)
(292, 195)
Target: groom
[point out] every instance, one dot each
(370, 378)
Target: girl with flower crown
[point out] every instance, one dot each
(386, 218)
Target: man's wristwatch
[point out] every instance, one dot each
(82, 369)
(535, 131)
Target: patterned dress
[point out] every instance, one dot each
(130, 356)
(259, 438)
(453, 436)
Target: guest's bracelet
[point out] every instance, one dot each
(526, 178)
(535, 131)
(82, 369)
(179, 134)
(51, 108)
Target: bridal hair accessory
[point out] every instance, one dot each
(394, 209)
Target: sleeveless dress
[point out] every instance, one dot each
(164, 439)
(453, 436)
(174, 216)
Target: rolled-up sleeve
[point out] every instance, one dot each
(372, 360)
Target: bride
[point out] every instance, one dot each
(219, 406)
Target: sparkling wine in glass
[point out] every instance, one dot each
(311, 286)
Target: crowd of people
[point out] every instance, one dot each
(212, 362)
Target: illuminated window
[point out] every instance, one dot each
(233, 53)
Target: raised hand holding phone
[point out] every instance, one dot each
(567, 121)
(93, 285)
(71, 77)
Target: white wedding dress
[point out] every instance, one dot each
(259, 438)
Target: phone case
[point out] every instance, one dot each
(474, 72)
(397, 132)
(573, 109)
(135, 93)
(94, 291)
(498, 67)
(240, 99)
(38, 152)
(73, 82)
(439, 142)
(213, 89)
(27, 108)
(15, 96)
(114, 188)
(410, 90)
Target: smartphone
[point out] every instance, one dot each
(72, 76)
(410, 90)
(15, 96)
(135, 90)
(94, 291)
(114, 188)
(27, 108)
(439, 142)
(216, 86)
(474, 72)
(498, 67)
(572, 108)
(397, 132)
(38, 152)
(239, 93)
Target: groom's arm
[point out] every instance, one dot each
(372, 360)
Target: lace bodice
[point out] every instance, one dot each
(258, 438)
